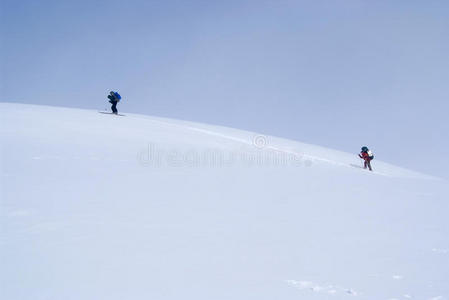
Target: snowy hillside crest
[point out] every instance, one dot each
(96, 206)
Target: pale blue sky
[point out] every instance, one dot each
(341, 74)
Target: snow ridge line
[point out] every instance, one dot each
(251, 143)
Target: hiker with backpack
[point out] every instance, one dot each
(114, 98)
(367, 157)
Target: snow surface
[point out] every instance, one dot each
(97, 206)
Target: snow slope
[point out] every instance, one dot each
(96, 206)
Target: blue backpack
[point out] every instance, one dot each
(117, 95)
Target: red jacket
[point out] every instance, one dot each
(365, 156)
